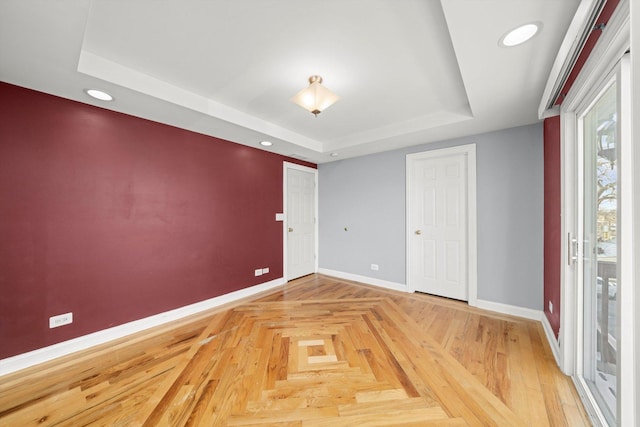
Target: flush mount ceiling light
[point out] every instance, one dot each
(520, 35)
(98, 94)
(266, 143)
(315, 97)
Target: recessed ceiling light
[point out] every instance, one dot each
(266, 143)
(334, 154)
(520, 35)
(98, 94)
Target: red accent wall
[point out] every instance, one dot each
(552, 221)
(116, 218)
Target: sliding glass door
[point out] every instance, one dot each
(598, 214)
(598, 332)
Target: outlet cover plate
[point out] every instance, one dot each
(60, 320)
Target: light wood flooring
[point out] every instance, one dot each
(317, 352)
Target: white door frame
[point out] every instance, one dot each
(285, 168)
(599, 68)
(472, 246)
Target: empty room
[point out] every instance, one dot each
(296, 213)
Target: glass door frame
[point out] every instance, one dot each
(610, 63)
(584, 244)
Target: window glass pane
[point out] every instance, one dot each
(600, 232)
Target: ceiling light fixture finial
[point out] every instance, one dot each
(315, 97)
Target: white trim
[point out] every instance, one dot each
(551, 338)
(568, 50)
(568, 292)
(589, 403)
(551, 112)
(512, 310)
(285, 167)
(364, 279)
(496, 307)
(45, 354)
(472, 224)
(472, 215)
(597, 71)
(635, 155)
(626, 290)
(613, 43)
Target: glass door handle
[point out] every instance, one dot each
(572, 249)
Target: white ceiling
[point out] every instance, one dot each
(407, 71)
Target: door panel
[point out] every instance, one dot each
(301, 228)
(438, 222)
(429, 206)
(453, 262)
(429, 260)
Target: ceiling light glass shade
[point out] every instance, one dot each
(520, 35)
(315, 97)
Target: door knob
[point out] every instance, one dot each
(418, 232)
(290, 229)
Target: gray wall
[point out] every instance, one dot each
(367, 196)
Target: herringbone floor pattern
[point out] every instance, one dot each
(319, 353)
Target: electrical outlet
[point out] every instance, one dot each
(550, 307)
(258, 272)
(60, 320)
(265, 270)
(375, 267)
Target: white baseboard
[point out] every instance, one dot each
(41, 355)
(527, 313)
(551, 337)
(364, 279)
(512, 310)
(497, 307)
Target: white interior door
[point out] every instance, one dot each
(438, 223)
(300, 221)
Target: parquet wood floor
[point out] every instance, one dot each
(318, 352)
